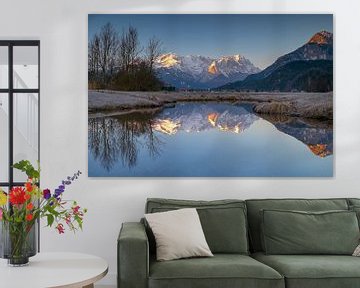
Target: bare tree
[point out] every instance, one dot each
(109, 45)
(129, 49)
(153, 51)
(94, 58)
(121, 62)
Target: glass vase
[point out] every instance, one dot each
(18, 242)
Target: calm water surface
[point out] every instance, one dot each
(208, 139)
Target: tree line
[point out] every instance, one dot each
(119, 62)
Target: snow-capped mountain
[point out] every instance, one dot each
(191, 117)
(202, 72)
(229, 65)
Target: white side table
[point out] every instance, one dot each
(50, 270)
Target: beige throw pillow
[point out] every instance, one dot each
(357, 251)
(178, 234)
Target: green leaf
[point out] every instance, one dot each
(52, 211)
(79, 221)
(50, 219)
(26, 167)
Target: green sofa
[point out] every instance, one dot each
(233, 231)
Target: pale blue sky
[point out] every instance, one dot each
(261, 38)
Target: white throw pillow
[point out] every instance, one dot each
(357, 251)
(178, 234)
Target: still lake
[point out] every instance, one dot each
(208, 139)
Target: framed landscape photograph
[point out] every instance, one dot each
(210, 95)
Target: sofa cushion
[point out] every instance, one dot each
(356, 209)
(223, 221)
(178, 234)
(314, 271)
(354, 205)
(255, 206)
(297, 232)
(222, 270)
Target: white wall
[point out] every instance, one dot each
(62, 28)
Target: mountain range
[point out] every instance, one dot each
(308, 68)
(200, 72)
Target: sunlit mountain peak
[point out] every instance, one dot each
(322, 37)
(236, 57)
(212, 68)
(230, 65)
(212, 117)
(234, 129)
(168, 60)
(166, 126)
(320, 150)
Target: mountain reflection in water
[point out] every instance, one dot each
(203, 117)
(123, 143)
(317, 135)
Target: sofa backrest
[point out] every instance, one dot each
(353, 202)
(256, 205)
(223, 221)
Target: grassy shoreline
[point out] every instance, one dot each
(306, 105)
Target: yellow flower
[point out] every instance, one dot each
(3, 198)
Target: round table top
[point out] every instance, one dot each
(68, 270)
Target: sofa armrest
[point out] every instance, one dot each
(133, 256)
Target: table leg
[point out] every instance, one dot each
(89, 286)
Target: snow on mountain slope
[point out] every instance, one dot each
(196, 71)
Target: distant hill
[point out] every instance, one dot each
(318, 48)
(309, 76)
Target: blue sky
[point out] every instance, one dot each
(261, 38)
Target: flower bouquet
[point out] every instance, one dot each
(21, 208)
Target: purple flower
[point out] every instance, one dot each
(58, 192)
(46, 194)
(64, 183)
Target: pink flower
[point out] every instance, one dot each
(60, 228)
(68, 219)
(76, 210)
(1, 214)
